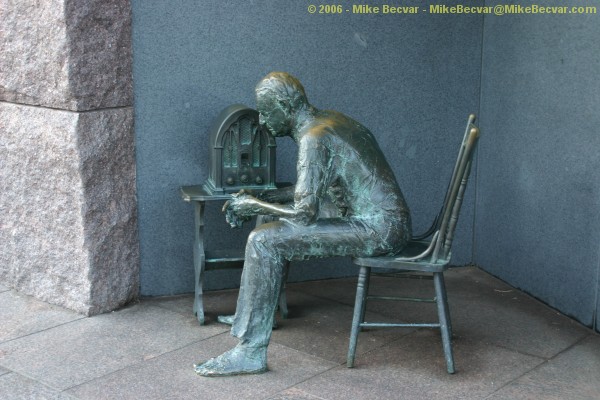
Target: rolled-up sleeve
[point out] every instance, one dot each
(313, 163)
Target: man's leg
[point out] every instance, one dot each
(267, 248)
(260, 220)
(253, 320)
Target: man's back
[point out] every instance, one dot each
(341, 156)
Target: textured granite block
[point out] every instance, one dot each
(34, 45)
(67, 54)
(99, 35)
(41, 196)
(109, 210)
(67, 203)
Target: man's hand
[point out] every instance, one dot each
(243, 206)
(239, 209)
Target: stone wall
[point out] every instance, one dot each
(68, 214)
(538, 191)
(412, 80)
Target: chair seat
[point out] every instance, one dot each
(412, 249)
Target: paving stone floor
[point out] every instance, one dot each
(507, 345)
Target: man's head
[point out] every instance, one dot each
(279, 97)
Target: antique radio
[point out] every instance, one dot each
(242, 153)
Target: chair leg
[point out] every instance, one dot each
(444, 316)
(359, 313)
(366, 293)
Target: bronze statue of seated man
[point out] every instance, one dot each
(339, 161)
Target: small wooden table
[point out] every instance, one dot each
(218, 259)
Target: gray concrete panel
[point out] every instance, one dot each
(412, 80)
(597, 319)
(537, 225)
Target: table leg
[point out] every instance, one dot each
(199, 260)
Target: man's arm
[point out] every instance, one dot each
(312, 161)
(244, 205)
(282, 195)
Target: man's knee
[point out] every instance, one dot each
(262, 238)
(258, 236)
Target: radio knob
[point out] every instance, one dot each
(230, 180)
(244, 178)
(258, 180)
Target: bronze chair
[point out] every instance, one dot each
(425, 256)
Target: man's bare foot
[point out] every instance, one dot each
(242, 359)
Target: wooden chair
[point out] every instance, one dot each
(425, 256)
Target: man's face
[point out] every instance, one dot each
(272, 115)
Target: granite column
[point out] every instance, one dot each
(68, 211)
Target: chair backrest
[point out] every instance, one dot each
(445, 224)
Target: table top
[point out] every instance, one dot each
(199, 193)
